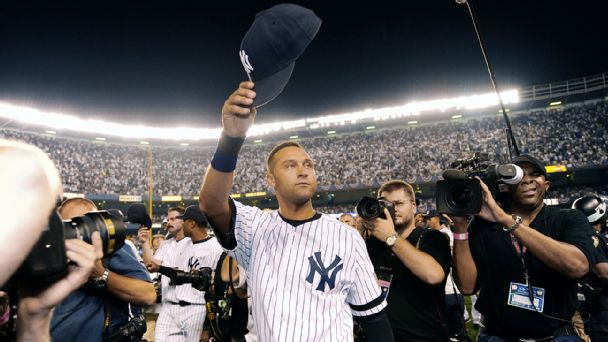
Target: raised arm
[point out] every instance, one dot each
(237, 117)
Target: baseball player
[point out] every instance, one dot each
(309, 273)
(183, 311)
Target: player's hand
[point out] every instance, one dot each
(143, 234)
(382, 228)
(238, 112)
(39, 302)
(490, 210)
(153, 266)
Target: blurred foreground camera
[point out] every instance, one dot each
(47, 262)
(370, 208)
(200, 279)
(460, 194)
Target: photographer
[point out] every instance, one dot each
(419, 259)
(595, 284)
(103, 306)
(505, 251)
(29, 188)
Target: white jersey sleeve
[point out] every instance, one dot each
(365, 296)
(244, 221)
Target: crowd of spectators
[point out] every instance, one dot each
(575, 136)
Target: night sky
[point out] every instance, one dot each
(174, 63)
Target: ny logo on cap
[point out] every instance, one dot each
(245, 62)
(328, 275)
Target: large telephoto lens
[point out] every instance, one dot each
(111, 229)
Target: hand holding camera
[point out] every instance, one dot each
(36, 303)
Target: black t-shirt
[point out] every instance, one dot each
(499, 264)
(416, 310)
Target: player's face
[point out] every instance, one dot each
(292, 175)
(187, 227)
(174, 225)
(405, 207)
(349, 220)
(530, 192)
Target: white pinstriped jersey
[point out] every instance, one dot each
(187, 256)
(307, 281)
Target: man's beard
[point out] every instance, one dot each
(400, 227)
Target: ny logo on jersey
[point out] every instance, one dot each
(245, 62)
(328, 275)
(193, 263)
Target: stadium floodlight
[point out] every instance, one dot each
(413, 122)
(370, 127)
(556, 103)
(50, 132)
(100, 138)
(257, 141)
(58, 121)
(331, 132)
(293, 137)
(456, 116)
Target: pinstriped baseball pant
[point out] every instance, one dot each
(180, 323)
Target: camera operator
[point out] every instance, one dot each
(595, 285)
(420, 260)
(29, 189)
(102, 307)
(523, 250)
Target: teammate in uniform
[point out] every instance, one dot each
(183, 311)
(308, 273)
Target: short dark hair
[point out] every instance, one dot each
(179, 209)
(279, 147)
(396, 184)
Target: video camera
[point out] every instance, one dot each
(460, 193)
(47, 261)
(200, 279)
(370, 208)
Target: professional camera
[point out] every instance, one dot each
(47, 262)
(370, 208)
(200, 279)
(460, 194)
(130, 332)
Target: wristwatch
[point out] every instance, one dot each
(391, 240)
(518, 220)
(100, 282)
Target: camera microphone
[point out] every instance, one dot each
(454, 174)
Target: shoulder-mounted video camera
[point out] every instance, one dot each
(460, 193)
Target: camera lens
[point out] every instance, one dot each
(461, 195)
(369, 208)
(110, 228)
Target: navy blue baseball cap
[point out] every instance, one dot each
(194, 213)
(277, 37)
(526, 158)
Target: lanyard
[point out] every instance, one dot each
(521, 251)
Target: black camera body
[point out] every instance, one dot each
(47, 262)
(370, 208)
(461, 194)
(200, 278)
(132, 331)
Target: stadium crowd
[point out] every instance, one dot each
(575, 136)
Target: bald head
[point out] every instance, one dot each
(75, 207)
